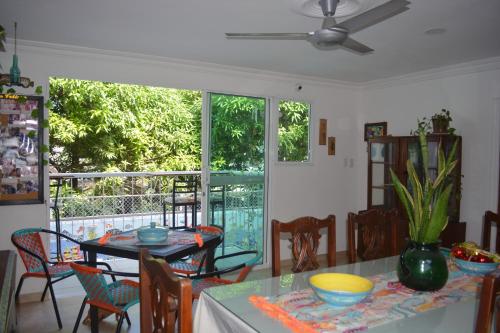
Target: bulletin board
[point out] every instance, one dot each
(21, 157)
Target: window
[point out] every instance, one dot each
(293, 131)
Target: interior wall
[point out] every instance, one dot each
(326, 185)
(471, 100)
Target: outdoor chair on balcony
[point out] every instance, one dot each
(116, 297)
(165, 297)
(30, 247)
(56, 213)
(244, 260)
(196, 263)
(305, 241)
(184, 197)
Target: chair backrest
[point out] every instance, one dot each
(377, 234)
(28, 242)
(164, 297)
(491, 218)
(197, 258)
(487, 300)
(305, 241)
(185, 186)
(94, 283)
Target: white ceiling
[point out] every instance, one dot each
(194, 30)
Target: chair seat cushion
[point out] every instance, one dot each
(125, 293)
(183, 267)
(55, 271)
(199, 285)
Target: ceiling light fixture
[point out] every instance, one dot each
(14, 77)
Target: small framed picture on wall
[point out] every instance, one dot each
(373, 130)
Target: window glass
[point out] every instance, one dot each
(293, 131)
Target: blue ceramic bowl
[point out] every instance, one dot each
(475, 268)
(152, 234)
(340, 290)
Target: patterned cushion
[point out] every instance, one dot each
(199, 285)
(184, 267)
(125, 293)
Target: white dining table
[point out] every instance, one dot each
(227, 308)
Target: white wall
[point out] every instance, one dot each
(471, 99)
(328, 184)
(320, 188)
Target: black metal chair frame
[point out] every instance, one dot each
(183, 187)
(54, 206)
(125, 316)
(219, 202)
(44, 263)
(217, 272)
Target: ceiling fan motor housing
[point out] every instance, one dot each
(328, 36)
(328, 7)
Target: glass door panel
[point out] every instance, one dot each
(236, 167)
(382, 158)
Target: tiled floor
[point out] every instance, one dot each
(39, 317)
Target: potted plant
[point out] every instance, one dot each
(441, 121)
(422, 266)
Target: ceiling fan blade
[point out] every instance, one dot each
(375, 15)
(328, 22)
(278, 35)
(356, 46)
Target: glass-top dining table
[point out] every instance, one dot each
(228, 308)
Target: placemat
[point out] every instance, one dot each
(302, 312)
(174, 238)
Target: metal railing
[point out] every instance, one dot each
(91, 204)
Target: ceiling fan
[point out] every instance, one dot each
(333, 33)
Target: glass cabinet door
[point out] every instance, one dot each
(382, 156)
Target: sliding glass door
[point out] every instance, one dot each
(235, 170)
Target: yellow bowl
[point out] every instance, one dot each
(339, 289)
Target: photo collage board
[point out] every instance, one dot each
(21, 160)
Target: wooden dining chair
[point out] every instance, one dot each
(164, 297)
(377, 234)
(305, 236)
(487, 301)
(491, 219)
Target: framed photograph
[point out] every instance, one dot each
(373, 130)
(21, 160)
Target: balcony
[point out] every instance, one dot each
(90, 204)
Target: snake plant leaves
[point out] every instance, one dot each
(427, 203)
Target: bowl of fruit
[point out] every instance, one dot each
(470, 259)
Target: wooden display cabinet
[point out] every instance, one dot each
(392, 152)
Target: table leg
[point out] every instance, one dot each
(94, 321)
(210, 260)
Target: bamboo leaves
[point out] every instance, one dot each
(427, 203)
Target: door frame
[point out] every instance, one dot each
(205, 162)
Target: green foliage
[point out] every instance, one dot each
(293, 131)
(95, 126)
(427, 206)
(38, 90)
(238, 126)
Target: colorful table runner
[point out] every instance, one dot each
(302, 312)
(174, 238)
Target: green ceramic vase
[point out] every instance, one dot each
(422, 267)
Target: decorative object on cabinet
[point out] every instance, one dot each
(331, 145)
(322, 132)
(387, 153)
(441, 122)
(373, 130)
(21, 149)
(422, 266)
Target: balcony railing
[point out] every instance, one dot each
(91, 204)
